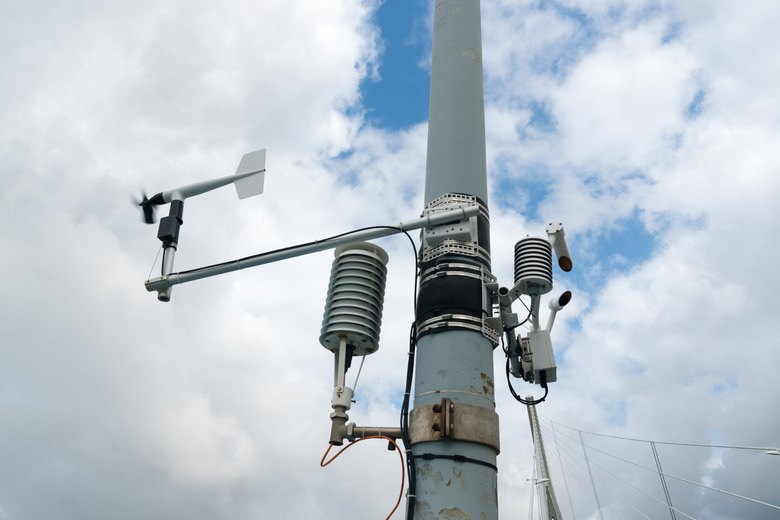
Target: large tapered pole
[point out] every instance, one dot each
(453, 424)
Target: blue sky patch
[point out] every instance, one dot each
(696, 106)
(399, 98)
(629, 243)
(523, 194)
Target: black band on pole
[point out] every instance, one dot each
(456, 458)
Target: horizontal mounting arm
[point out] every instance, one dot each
(161, 283)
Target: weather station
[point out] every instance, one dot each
(448, 424)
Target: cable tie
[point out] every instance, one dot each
(456, 458)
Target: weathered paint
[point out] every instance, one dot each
(454, 514)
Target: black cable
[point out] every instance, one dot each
(513, 327)
(289, 248)
(542, 383)
(456, 458)
(412, 344)
(410, 464)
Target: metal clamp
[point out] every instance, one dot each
(461, 237)
(461, 322)
(455, 421)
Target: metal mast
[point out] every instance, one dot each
(453, 424)
(548, 502)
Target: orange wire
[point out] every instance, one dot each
(400, 454)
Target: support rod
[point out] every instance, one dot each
(159, 284)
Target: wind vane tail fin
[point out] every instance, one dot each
(253, 162)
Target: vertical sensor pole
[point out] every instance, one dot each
(453, 425)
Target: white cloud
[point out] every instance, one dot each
(624, 103)
(216, 405)
(679, 346)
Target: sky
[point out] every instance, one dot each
(648, 127)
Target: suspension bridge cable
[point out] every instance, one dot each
(681, 479)
(577, 456)
(623, 499)
(663, 481)
(573, 458)
(560, 462)
(590, 474)
(670, 443)
(602, 468)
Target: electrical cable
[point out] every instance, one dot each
(289, 248)
(410, 464)
(543, 375)
(513, 327)
(533, 402)
(404, 419)
(323, 463)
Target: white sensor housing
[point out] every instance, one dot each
(557, 238)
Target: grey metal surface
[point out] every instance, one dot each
(461, 422)
(456, 118)
(454, 478)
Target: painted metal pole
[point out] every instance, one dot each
(453, 424)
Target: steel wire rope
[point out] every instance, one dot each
(622, 499)
(559, 484)
(563, 470)
(553, 464)
(574, 451)
(323, 463)
(579, 489)
(360, 369)
(583, 476)
(671, 443)
(602, 468)
(663, 480)
(593, 448)
(159, 250)
(577, 467)
(681, 479)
